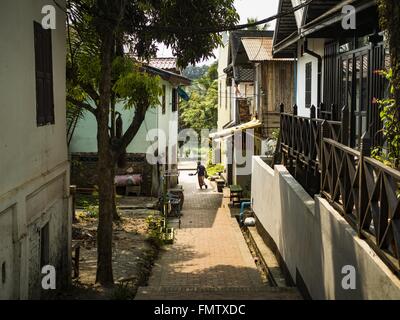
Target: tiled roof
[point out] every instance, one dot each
(163, 63)
(259, 49)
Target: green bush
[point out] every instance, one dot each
(215, 169)
(390, 154)
(154, 229)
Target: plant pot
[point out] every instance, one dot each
(168, 235)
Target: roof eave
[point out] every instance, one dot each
(331, 17)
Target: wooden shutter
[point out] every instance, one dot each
(44, 245)
(44, 75)
(174, 100)
(164, 102)
(308, 84)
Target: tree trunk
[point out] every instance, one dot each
(106, 169)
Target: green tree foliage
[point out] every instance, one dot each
(390, 154)
(99, 73)
(389, 12)
(262, 27)
(195, 72)
(201, 111)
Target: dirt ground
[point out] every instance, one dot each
(133, 253)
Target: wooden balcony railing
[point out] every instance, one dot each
(363, 190)
(367, 194)
(300, 145)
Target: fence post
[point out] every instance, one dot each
(278, 151)
(72, 192)
(365, 151)
(345, 125)
(334, 112)
(320, 109)
(311, 128)
(295, 110)
(312, 112)
(293, 144)
(324, 133)
(310, 173)
(281, 108)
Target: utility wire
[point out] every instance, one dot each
(187, 31)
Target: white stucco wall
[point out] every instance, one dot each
(85, 134)
(225, 101)
(314, 240)
(317, 46)
(224, 92)
(34, 184)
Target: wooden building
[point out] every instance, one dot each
(327, 138)
(336, 63)
(257, 83)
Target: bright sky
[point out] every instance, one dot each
(259, 9)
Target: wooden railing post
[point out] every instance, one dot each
(72, 192)
(281, 108)
(334, 112)
(312, 112)
(312, 138)
(320, 110)
(345, 125)
(295, 110)
(278, 158)
(365, 151)
(310, 174)
(294, 126)
(324, 133)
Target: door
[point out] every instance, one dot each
(361, 96)
(354, 93)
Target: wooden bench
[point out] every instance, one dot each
(236, 194)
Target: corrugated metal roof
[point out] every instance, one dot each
(259, 49)
(163, 63)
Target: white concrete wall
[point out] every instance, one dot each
(224, 92)
(225, 100)
(317, 46)
(85, 134)
(34, 184)
(314, 240)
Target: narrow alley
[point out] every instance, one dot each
(209, 258)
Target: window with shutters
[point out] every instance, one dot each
(44, 76)
(44, 246)
(308, 84)
(174, 100)
(164, 94)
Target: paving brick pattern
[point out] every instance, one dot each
(209, 257)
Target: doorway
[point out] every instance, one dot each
(354, 79)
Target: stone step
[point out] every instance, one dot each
(217, 293)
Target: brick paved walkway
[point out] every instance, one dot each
(209, 258)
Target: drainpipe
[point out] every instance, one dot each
(315, 55)
(295, 66)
